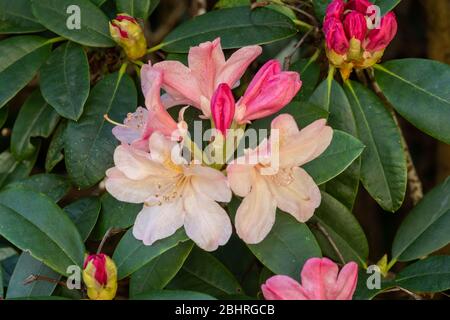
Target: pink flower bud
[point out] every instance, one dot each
(355, 26)
(335, 9)
(222, 108)
(126, 31)
(379, 39)
(358, 5)
(100, 277)
(335, 36)
(270, 90)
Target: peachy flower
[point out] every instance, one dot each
(321, 280)
(175, 193)
(270, 90)
(196, 84)
(127, 32)
(275, 179)
(350, 43)
(100, 277)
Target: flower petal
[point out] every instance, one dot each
(319, 277)
(281, 287)
(158, 222)
(135, 164)
(300, 197)
(210, 182)
(206, 222)
(240, 177)
(347, 280)
(256, 214)
(128, 190)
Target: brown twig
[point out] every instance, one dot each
(414, 183)
(331, 241)
(288, 58)
(35, 277)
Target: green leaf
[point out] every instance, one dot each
(237, 27)
(343, 228)
(33, 223)
(173, 295)
(418, 89)
(115, 214)
(428, 275)
(131, 254)
(84, 213)
(287, 247)
(20, 59)
(16, 17)
(89, 143)
(28, 266)
(12, 170)
(53, 186)
(3, 116)
(320, 7)
(137, 8)
(98, 3)
(426, 228)
(36, 119)
(383, 163)
(386, 5)
(222, 4)
(362, 291)
(343, 150)
(65, 80)
(309, 72)
(203, 272)
(158, 273)
(54, 153)
(93, 31)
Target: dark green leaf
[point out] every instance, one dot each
(16, 17)
(287, 247)
(363, 292)
(343, 150)
(65, 80)
(93, 31)
(320, 7)
(20, 59)
(3, 116)
(173, 295)
(54, 153)
(84, 213)
(98, 3)
(131, 254)
(309, 72)
(158, 273)
(386, 5)
(33, 223)
(36, 119)
(383, 163)
(426, 228)
(137, 8)
(343, 228)
(52, 185)
(202, 272)
(115, 214)
(237, 27)
(28, 266)
(429, 275)
(89, 143)
(12, 170)
(418, 89)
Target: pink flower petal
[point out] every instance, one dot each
(283, 288)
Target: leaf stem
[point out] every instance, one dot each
(55, 40)
(331, 241)
(303, 24)
(155, 48)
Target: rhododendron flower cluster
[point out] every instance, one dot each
(177, 191)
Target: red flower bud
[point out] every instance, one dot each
(222, 108)
(358, 5)
(335, 9)
(379, 39)
(355, 25)
(335, 36)
(100, 277)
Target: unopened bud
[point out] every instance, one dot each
(100, 277)
(128, 33)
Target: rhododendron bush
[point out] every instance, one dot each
(216, 150)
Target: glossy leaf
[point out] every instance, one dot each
(84, 214)
(28, 266)
(418, 89)
(309, 73)
(34, 223)
(131, 254)
(426, 228)
(54, 153)
(203, 272)
(52, 185)
(20, 59)
(16, 17)
(383, 163)
(386, 5)
(65, 80)
(343, 228)
(12, 170)
(343, 150)
(137, 8)
(115, 214)
(158, 273)
(429, 275)
(320, 7)
(237, 27)
(173, 295)
(365, 277)
(60, 17)
(89, 143)
(3, 116)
